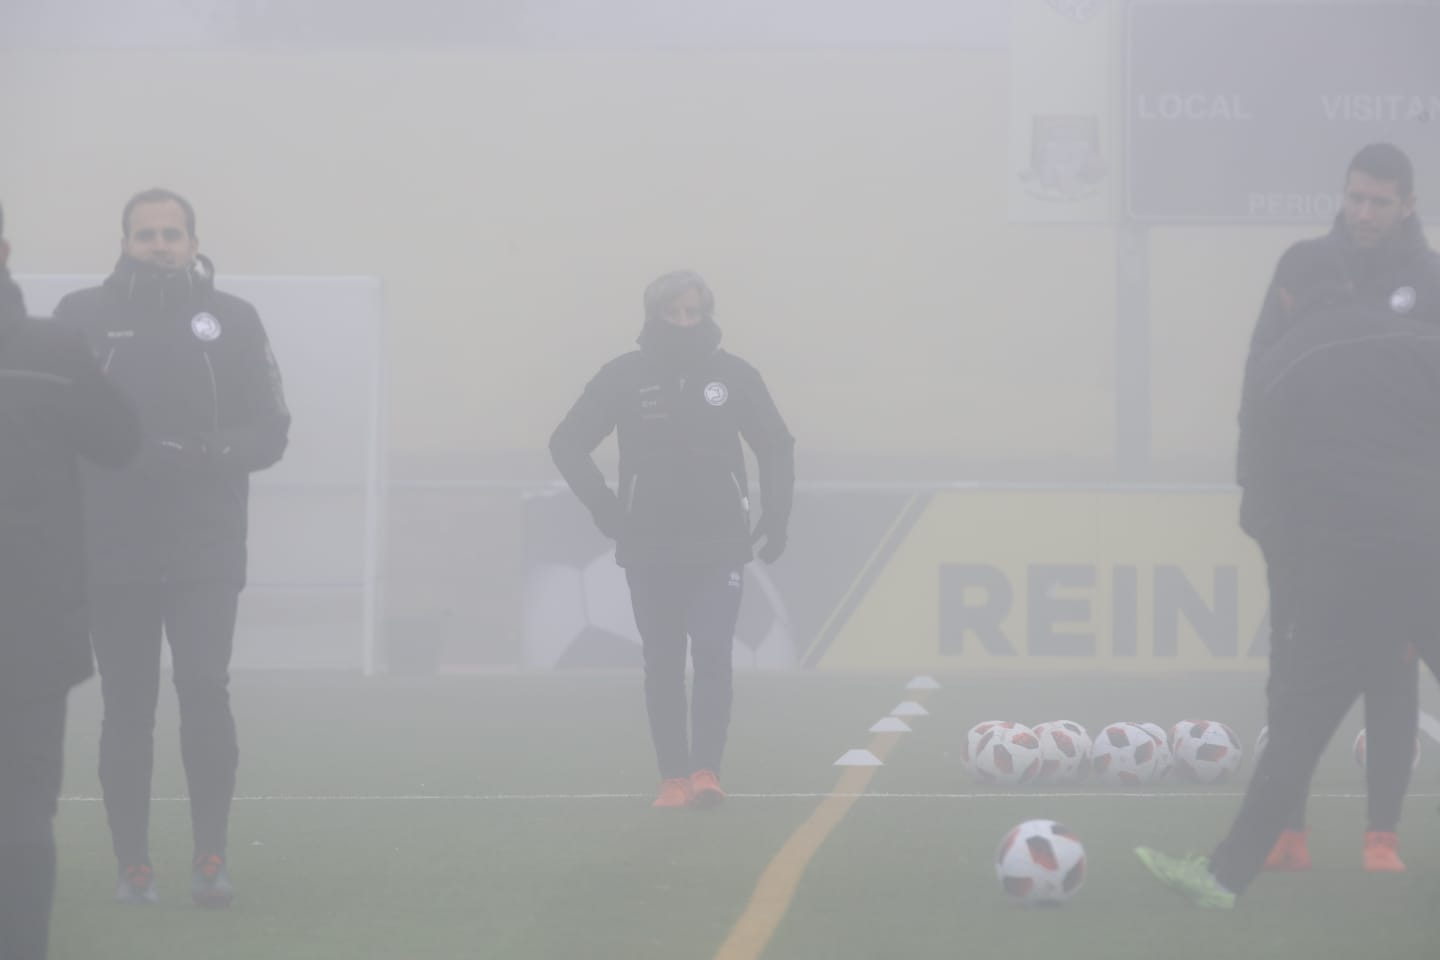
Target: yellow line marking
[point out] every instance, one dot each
(777, 885)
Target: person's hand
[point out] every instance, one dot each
(775, 542)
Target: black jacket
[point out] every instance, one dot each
(199, 367)
(55, 406)
(1344, 429)
(1400, 276)
(679, 406)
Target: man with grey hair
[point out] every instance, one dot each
(680, 406)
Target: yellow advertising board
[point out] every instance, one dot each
(1062, 581)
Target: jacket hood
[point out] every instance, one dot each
(137, 281)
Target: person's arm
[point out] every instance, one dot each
(66, 315)
(1274, 322)
(572, 445)
(765, 431)
(260, 438)
(100, 420)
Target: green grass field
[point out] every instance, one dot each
(513, 822)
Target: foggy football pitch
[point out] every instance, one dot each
(512, 821)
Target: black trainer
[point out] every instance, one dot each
(210, 883)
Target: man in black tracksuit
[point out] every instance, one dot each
(55, 406)
(1378, 246)
(1343, 428)
(166, 537)
(680, 406)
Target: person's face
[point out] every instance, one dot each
(684, 311)
(158, 235)
(1373, 208)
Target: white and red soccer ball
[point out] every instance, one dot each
(976, 737)
(1064, 751)
(1165, 759)
(1206, 751)
(1040, 863)
(1360, 751)
(1002, 752)
(1124, 754)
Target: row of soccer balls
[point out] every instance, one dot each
(1123, 754)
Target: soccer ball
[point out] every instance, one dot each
(1360, 751)
(1165, 758)
(1206, 751)
(1124, 754)
(976, 738)
(1040, 863)
(1064, 751)
(1008, 754)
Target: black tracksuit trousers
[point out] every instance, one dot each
(1357, 613)
(1390, 714)
(127, 624)
(32, 740)
(680, 609)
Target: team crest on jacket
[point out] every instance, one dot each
(716, 393)
(1402, 301)
(205, 327)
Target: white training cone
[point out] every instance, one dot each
(923, 683)
(909, 709)
(859, 758)
(890, 725)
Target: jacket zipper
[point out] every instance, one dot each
(630, 499)
(105, 367)
(214, 392)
